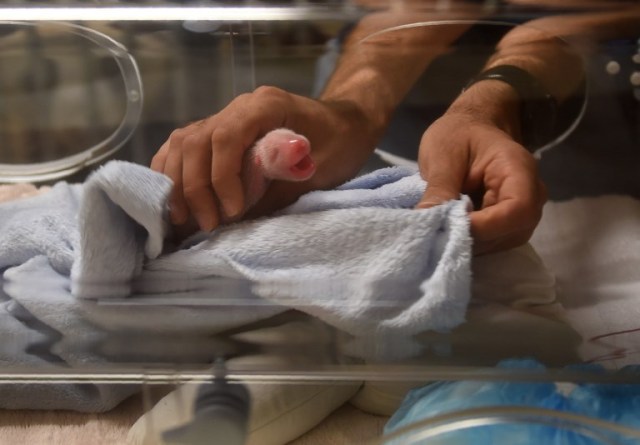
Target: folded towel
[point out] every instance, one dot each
(120, 221)
(358, 257)
(599, 279)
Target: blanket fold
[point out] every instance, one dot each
(121, 221)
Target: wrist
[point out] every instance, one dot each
(537, 107)
(342, 139)
(492, 102)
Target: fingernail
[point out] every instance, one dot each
(208, 227)
(231, 208)
(428, 204)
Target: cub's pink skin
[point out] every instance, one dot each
(280, 155)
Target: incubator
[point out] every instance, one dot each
(314, 324)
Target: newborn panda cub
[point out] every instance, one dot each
(280, 155)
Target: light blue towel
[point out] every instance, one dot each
(358, 257)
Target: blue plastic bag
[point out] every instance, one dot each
(618, 403)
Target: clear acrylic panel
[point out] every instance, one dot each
(72, 98)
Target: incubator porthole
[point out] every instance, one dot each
(72, 97)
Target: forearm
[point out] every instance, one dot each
(603, 19)
(551, 50)
(378, 67)
(540, 49)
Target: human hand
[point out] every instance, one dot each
(462, 154)
(205, 159)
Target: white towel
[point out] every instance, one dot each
(593, 246)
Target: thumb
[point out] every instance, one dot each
(444, 179)
(435, 195)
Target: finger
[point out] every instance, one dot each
(196, 187)
(179, 211)
(160, 158)
(279, 195)
(503, 243)
(517, 211)
(445, 175)
(227, 153)
(183, 231)
(231, 138)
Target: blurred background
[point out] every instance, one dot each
(62, 93)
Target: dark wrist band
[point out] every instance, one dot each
(538, 108)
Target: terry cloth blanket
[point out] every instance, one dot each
(358, 257)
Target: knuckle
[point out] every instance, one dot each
(227, 144)
(191, 143)
(271, 98)
(199, 123)
(157, 159)
(193, 191)
(220, 138)
(269, 92)
(242, 98)
(220, 181)
(177, 136)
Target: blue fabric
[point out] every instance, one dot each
(618, 403)
(359, 258)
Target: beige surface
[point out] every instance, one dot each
(346, 426)
(600, 282)
(68, 428)
(280, 412)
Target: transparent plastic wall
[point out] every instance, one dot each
(73, 76)
(71, 96)
(82, 84)
(85, 84)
